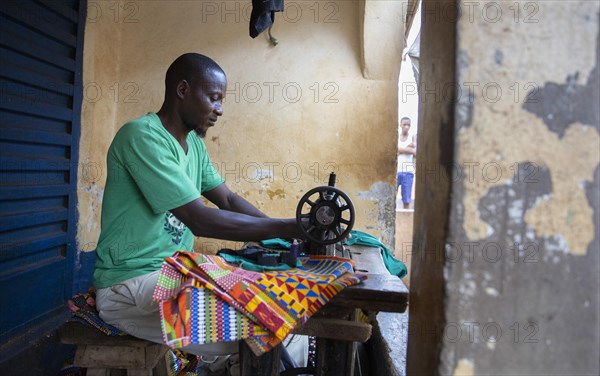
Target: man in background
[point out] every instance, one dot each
(407, 149)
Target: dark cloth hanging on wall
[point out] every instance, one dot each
(263, 15)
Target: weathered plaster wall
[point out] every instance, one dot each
(101, 101)
(382, 37)
(519, 263)
(293, 113)
(525, 216)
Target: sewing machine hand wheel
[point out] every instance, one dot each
(325, 215)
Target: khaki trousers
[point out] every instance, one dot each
(128, 306)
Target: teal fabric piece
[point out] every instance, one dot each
(393, 265)
(276, 243)
(249, 265)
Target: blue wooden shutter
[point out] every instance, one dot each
(40, 107)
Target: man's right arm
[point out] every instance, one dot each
(225, 199)
(227, 225)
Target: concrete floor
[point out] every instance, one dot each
(395, 327)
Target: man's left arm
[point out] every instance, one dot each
(225, 199)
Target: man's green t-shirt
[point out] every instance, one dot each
(148, 173)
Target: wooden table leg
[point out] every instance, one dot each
(266, 364)
(335, 357)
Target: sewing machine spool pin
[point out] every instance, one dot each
(325, 216)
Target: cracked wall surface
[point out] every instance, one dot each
(506, 281)
(533, 109)
(522, 257)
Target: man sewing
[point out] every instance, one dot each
(158, 169)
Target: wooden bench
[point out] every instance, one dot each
(105, 355)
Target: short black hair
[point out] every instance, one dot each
(405, 118)
(191, 67)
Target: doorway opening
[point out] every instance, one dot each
(408, 115)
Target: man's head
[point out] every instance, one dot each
(196, 85)
(405, 124)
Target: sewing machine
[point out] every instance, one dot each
(325, 216)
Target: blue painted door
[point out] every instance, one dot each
(40, 107)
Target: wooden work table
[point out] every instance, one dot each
(381, 292)
(336, 325)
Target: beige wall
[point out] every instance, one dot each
(293, 113)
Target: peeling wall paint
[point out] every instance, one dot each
(544, 103)
(385, 215)
(93, 197)
(522, 254)
(278, 193)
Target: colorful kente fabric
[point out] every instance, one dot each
(83, 307)
(205, 300)
(197, 316)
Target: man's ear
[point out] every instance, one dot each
(183, 88)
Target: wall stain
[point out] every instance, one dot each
(96, 194)
(560, 105)
(518, 272)
(384, 196)
(564, 121)
(504, 208)
(498, 57)
(278, 193)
